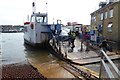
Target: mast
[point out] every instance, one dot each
(46, 13)
(33, 8)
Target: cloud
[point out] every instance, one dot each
(16, 11)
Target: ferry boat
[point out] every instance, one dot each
(36, 31)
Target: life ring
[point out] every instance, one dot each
(32, 26)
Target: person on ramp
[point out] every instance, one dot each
(105, 46)
(72, 39)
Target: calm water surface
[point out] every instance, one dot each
(14, 51)
(12, 48)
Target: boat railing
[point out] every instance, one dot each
(109, 71)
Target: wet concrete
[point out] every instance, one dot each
(47, 64)
(52, 70)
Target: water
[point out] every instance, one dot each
(12, 48)
(14, 51)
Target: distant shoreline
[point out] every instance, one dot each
(11, 31)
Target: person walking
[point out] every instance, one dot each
(71, 39)
(87, 38)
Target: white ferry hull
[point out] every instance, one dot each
(40, 45)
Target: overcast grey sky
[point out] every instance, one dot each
(15, 12)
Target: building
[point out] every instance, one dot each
(10, 28)
(106, 21)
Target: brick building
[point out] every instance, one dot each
(107, 22)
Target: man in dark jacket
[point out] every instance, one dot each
(71, 39)
(105, 46)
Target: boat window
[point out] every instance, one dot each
(41, 19)
(33, 19)
(45, 20)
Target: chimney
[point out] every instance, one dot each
(102, 4)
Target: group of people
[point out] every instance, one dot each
(104, 44)
(86, 37)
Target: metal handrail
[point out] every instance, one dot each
(109, 72)
(107, 69)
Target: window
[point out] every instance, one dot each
(41, 19)
(101, 16)
(94, 19)
(106, 15)
(110, 27)
(33, 19)
(100, 27)
(111, 13)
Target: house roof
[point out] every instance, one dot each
(100, 9)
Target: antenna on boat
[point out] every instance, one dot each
(46, 12)
(34, 8)
(46, 7)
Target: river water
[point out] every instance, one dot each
(13, 50)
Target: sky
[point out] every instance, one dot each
(14, 12)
